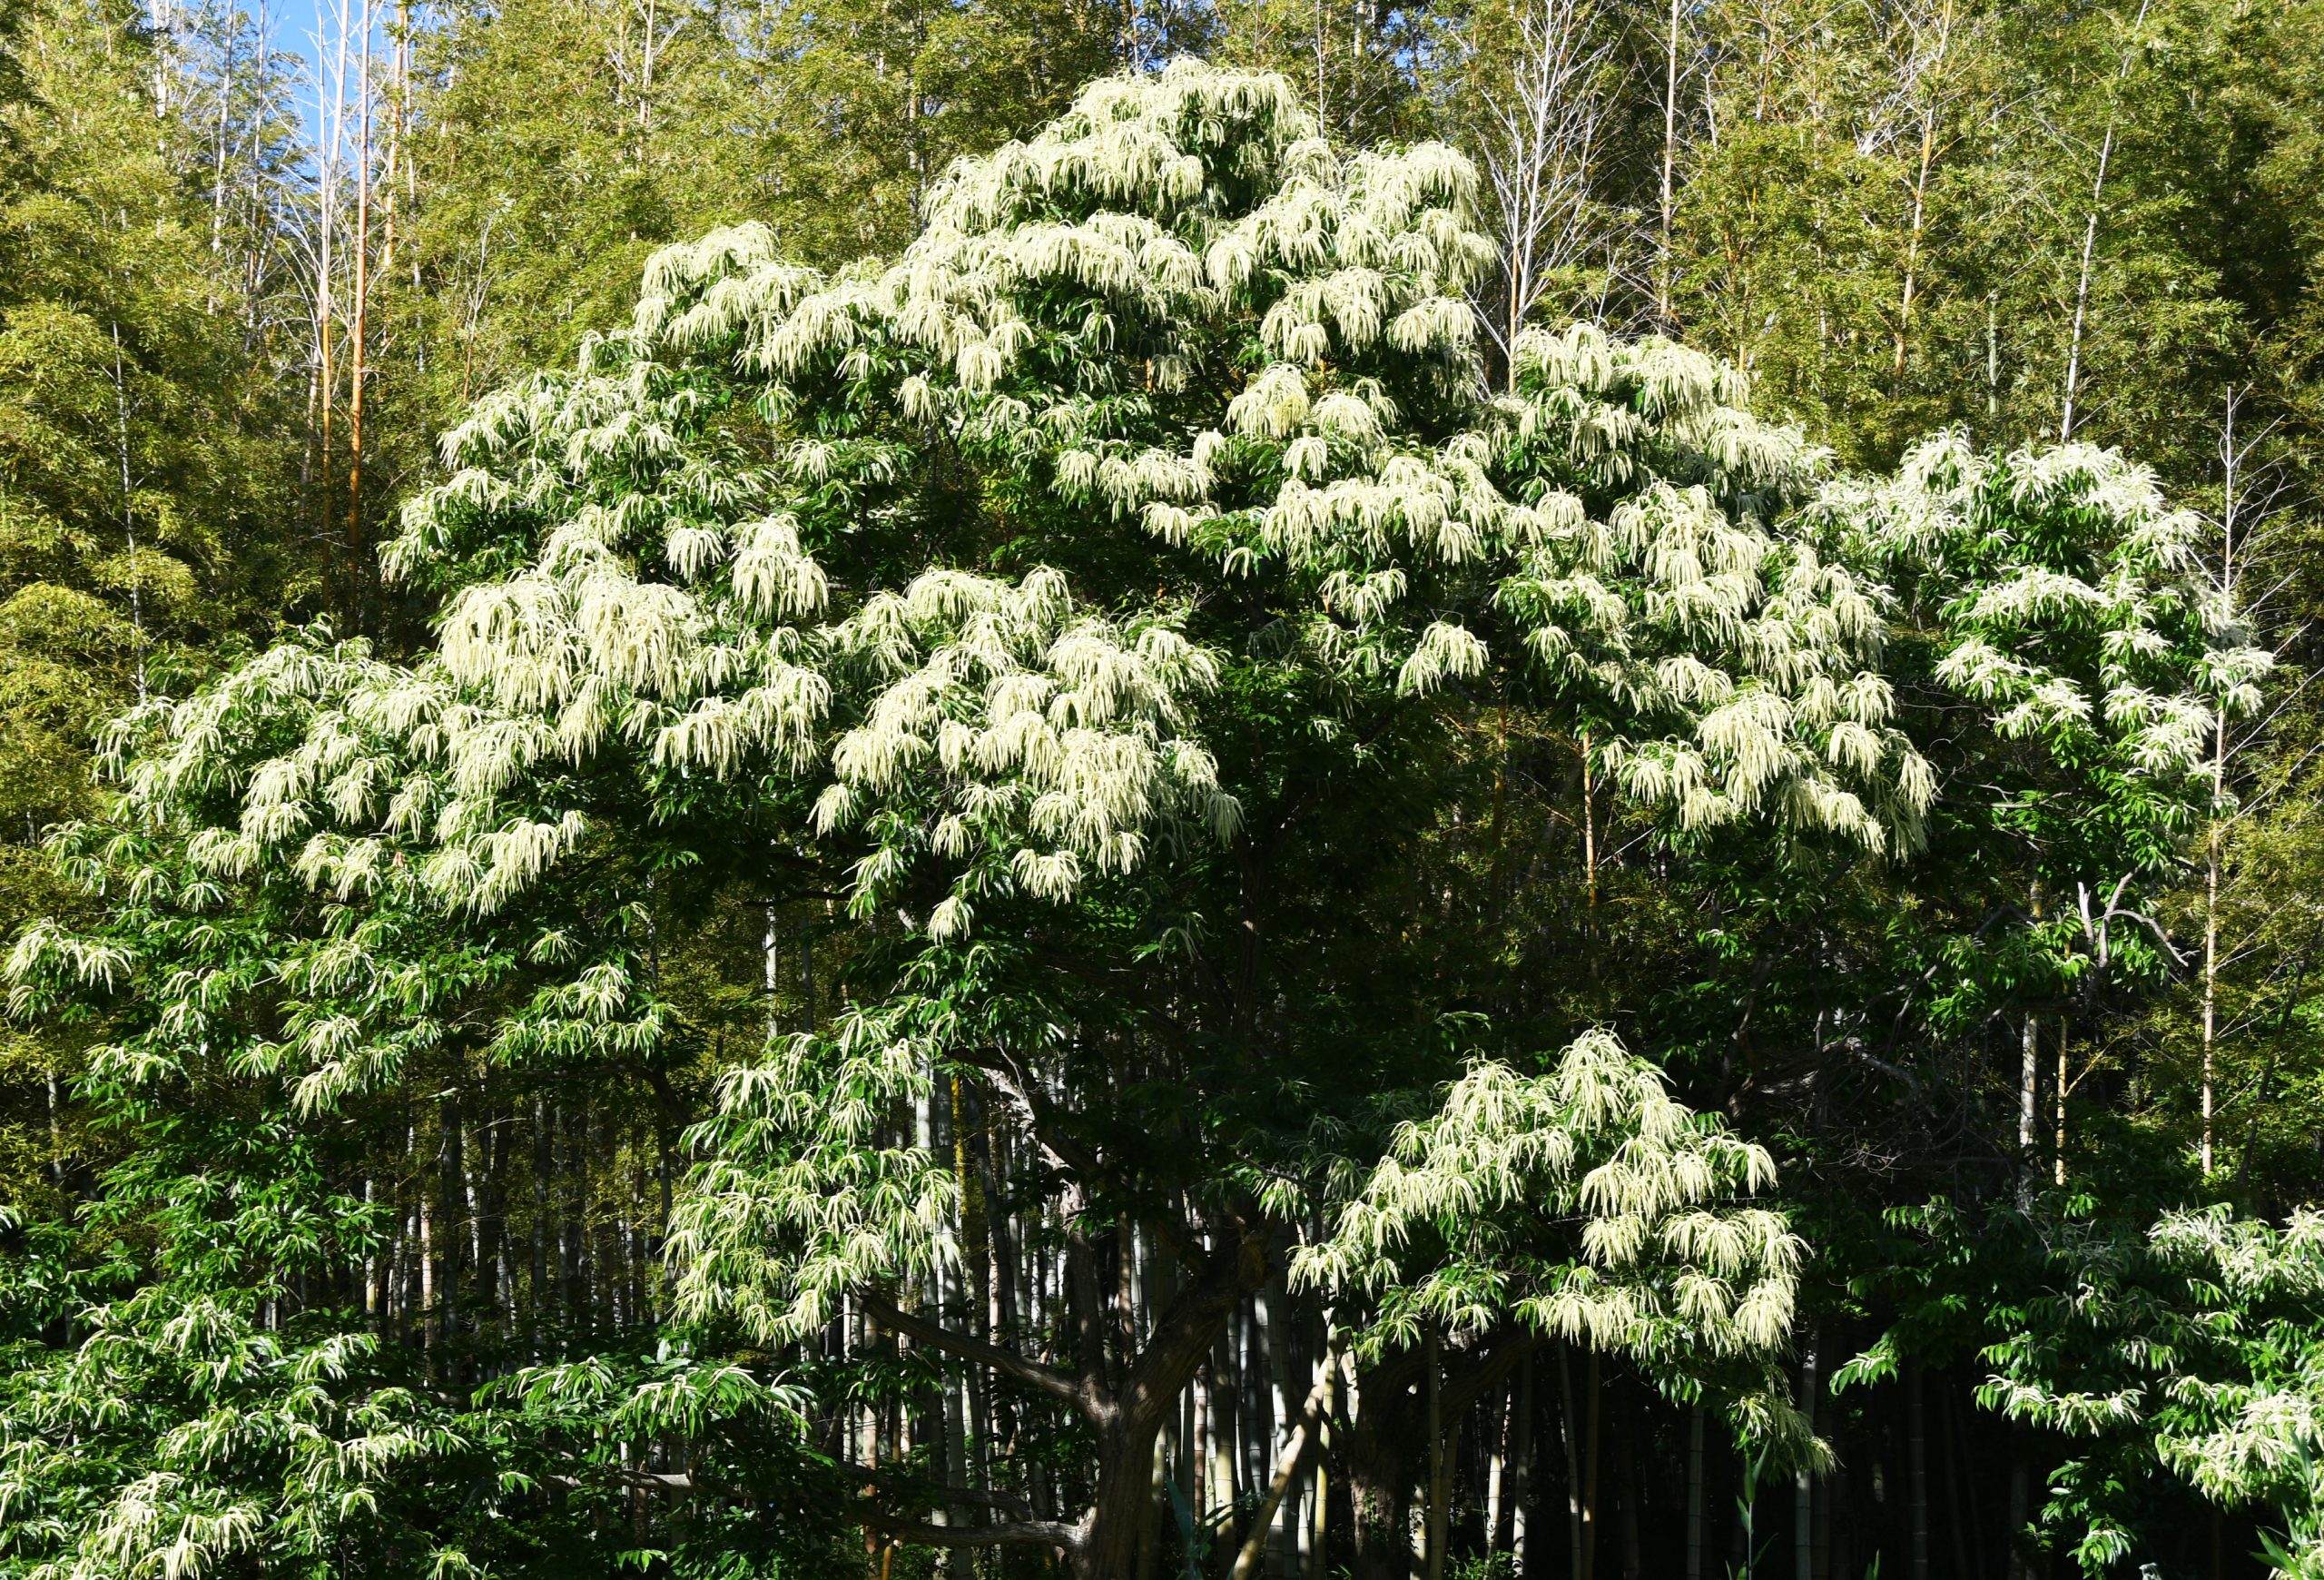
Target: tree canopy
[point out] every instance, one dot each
(1187, 874)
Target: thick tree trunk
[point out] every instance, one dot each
(1129, 1423)
(1111, 1530)
(1299, 1443)
(1380, 1484)
(1149, 1528)
(1125, 1417)
(1388, 1426)
(1388, 1445)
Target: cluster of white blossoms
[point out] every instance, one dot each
(1731, 672)
(1009, 711)
(1669, 1262)
(2199, 1345)
(806, 1192)
(2259, 1435)
(2064, 594)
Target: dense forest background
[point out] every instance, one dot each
(245, 291)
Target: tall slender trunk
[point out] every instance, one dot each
(452, 1163)
(1593, 1390)
(217, 170)
(1224, 1423)
(1323, 110)
(1913, 245)
(1319, 1550)
(1495, 1431)
(1925, 167)
(400, 1297)
(328, 176)
(355, 545)
(2081, 300)
(424, 1213)
(129, 509)
(977, 1246)
(375, 1266)
(2059, 1158)
(1438, 1488)
(1803, 1485)
(398, 128)
(1520, 1471)
(2090, 235)
(1570, 1430)
(2029, 1076)
(537, 1305)
(1948, 1423)
(807, 1018)
(597, 1284)
(1632, 1484)
(771, 959)
(1993, 365)
(1589, 861)
(1916, 1468)
(1669, 170)
(2214, 831)
(55, 1131)
(2210, 956)
(496, 1193)
(1695, 1493)
(2021, 1499)
(646, 80)
(475, 1194)
(572, 1299)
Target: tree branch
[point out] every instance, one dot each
(1041, 1114)
(1008, 1503)
(1048, 1379)
(1185, 1329)
(676, 1483)
(1455, 1394)
(1016, 1534)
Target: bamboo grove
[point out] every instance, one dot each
(1520, 788)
